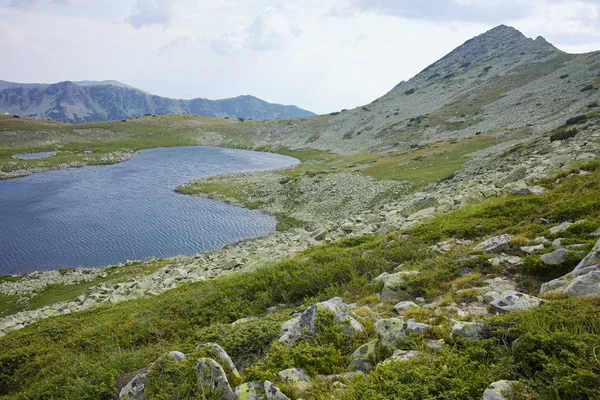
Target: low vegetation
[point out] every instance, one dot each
(551, 349)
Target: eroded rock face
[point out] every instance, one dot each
(305, 325)
(500, 390)
(495, 244)
(511, 300)
(211, 375)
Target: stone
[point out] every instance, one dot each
(434, 344)
(405, 355)
(560, 227)
(535, 190)
(218, 353)
(176, 356)
(468, 330)
(360, 365)
(596, 232)
(506, 261)
(417, 327)
(586, 285)
(393, 284)
(390, 329)
(532, 249)
(135, 388)
(541, 239)
(557, 244)
(501, 390)
(211, 374)
(250, 391)
(593, 257)
(404, 305)
(305, 324)
(495, 244)
(273, 393)
(511, 300)
(297, 378)
(556, 257)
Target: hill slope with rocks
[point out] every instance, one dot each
(441, 242)
(91, 101)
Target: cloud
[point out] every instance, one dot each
(270, 30)
(481, 11)
(151, 12)
(25, 4)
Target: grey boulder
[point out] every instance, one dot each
(468, 330)
(211, 375)
(511, 300)
(297, 378)
(250, 391)
(501, 390)
(219, 354)
(273, 393)
(135, 388)
(495, 244)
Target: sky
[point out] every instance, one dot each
(322, 55)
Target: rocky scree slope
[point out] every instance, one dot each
(499, 82)
(90, 102)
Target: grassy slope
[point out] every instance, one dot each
(551, 348)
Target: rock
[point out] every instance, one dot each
(560, 228)
(218, 353)
(273, 393)
(250, 391)
(593, 257)
(210, 374)
(176, 356)
(557, 244)
(596, 232)
(366, 351)
(405, 355)
(420, 300)
(390, 329)
(434, 344)
(404, 305)
(511, 300)
(586, 156)
(557, 257)
(417, 327)
(305, 324)
(501, 390)
(586, 285)
(535, 190)
(532, 249)
(469, 330)
(506, 261)
(135, 388)
(393, 284)
(541, 239)
(297, 378)
(495, 244)
(360, 365)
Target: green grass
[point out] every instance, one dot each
(80, 356)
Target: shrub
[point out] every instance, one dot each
(587, 88)
(409, 92)
(563, 134)
(577, 120)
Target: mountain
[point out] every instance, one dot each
(92, 101)
(500, 81)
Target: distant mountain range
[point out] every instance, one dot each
(94, 101)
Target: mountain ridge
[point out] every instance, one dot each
(93, 101)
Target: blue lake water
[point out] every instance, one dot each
(102, 215)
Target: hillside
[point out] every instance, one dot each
(441, 242)
(91, 101)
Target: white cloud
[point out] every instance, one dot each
(151, 12)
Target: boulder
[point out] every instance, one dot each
(535, 190)
(404, 305)
(273, 393)
(506, 261)
(297, 378)
(501, 390)
(211, 375)
(393, 284)
(585, 285)
(560, 227)
(366, 351)
(417, 327)
(532, 249)
(361, 365)
(390, 330)
(592, 259)
(218, 353)
(557, 257)
(469, 330)
(495, 244)
(404, 355)
(305, 324)
(250, 391)
(134, 389)
(511, 300)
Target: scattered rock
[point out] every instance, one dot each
(417, 327)
(250, 391)
(535, 190)
(305, 324)
(512, 300)
(404, 305)
(501, 390)
(135, 388)
(495, 244)
(390, 329)
(273, 393)
(393, 284)
(532, 249)
(435, 344)
(210, 374)
(218, 353)
(360, 365)
(506, 261)
(557, 257)
(469, 330)
(297, 378)
(560, 228)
